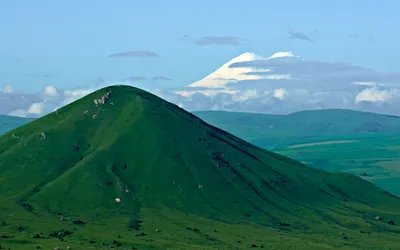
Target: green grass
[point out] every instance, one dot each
(174, 173)
(177, 231)
(374, 149)
(378, 158)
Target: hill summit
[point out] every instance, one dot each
(122, 159)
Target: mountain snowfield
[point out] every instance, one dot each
(219, 80)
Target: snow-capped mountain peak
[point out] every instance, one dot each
(225, 75)
(282, 54)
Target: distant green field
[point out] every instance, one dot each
(375, 159)
(364, 144)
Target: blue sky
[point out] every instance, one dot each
(67, 43)
(70, 40)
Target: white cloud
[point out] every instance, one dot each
(48, 101)
(36, 108)
(208, 92)
(50, 91)
(8, 89)
(374, 95)
(277, 76)
(365, 83)
(245, 95)
(18, 112)
(280, 93)
(73, 95)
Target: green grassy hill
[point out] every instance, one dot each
(360, 143)
(8, 123)
(182, 183)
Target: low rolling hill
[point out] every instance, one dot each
(361, 143)
(124, 168)
(275, 131)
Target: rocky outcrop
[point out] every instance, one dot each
(104, 99)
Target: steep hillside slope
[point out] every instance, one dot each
(169, 171)
(361, 143)
(8, 123)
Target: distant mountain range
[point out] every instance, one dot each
(272, 131)
(8, 123)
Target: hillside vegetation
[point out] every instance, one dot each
(181, 183)
(361, 143)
